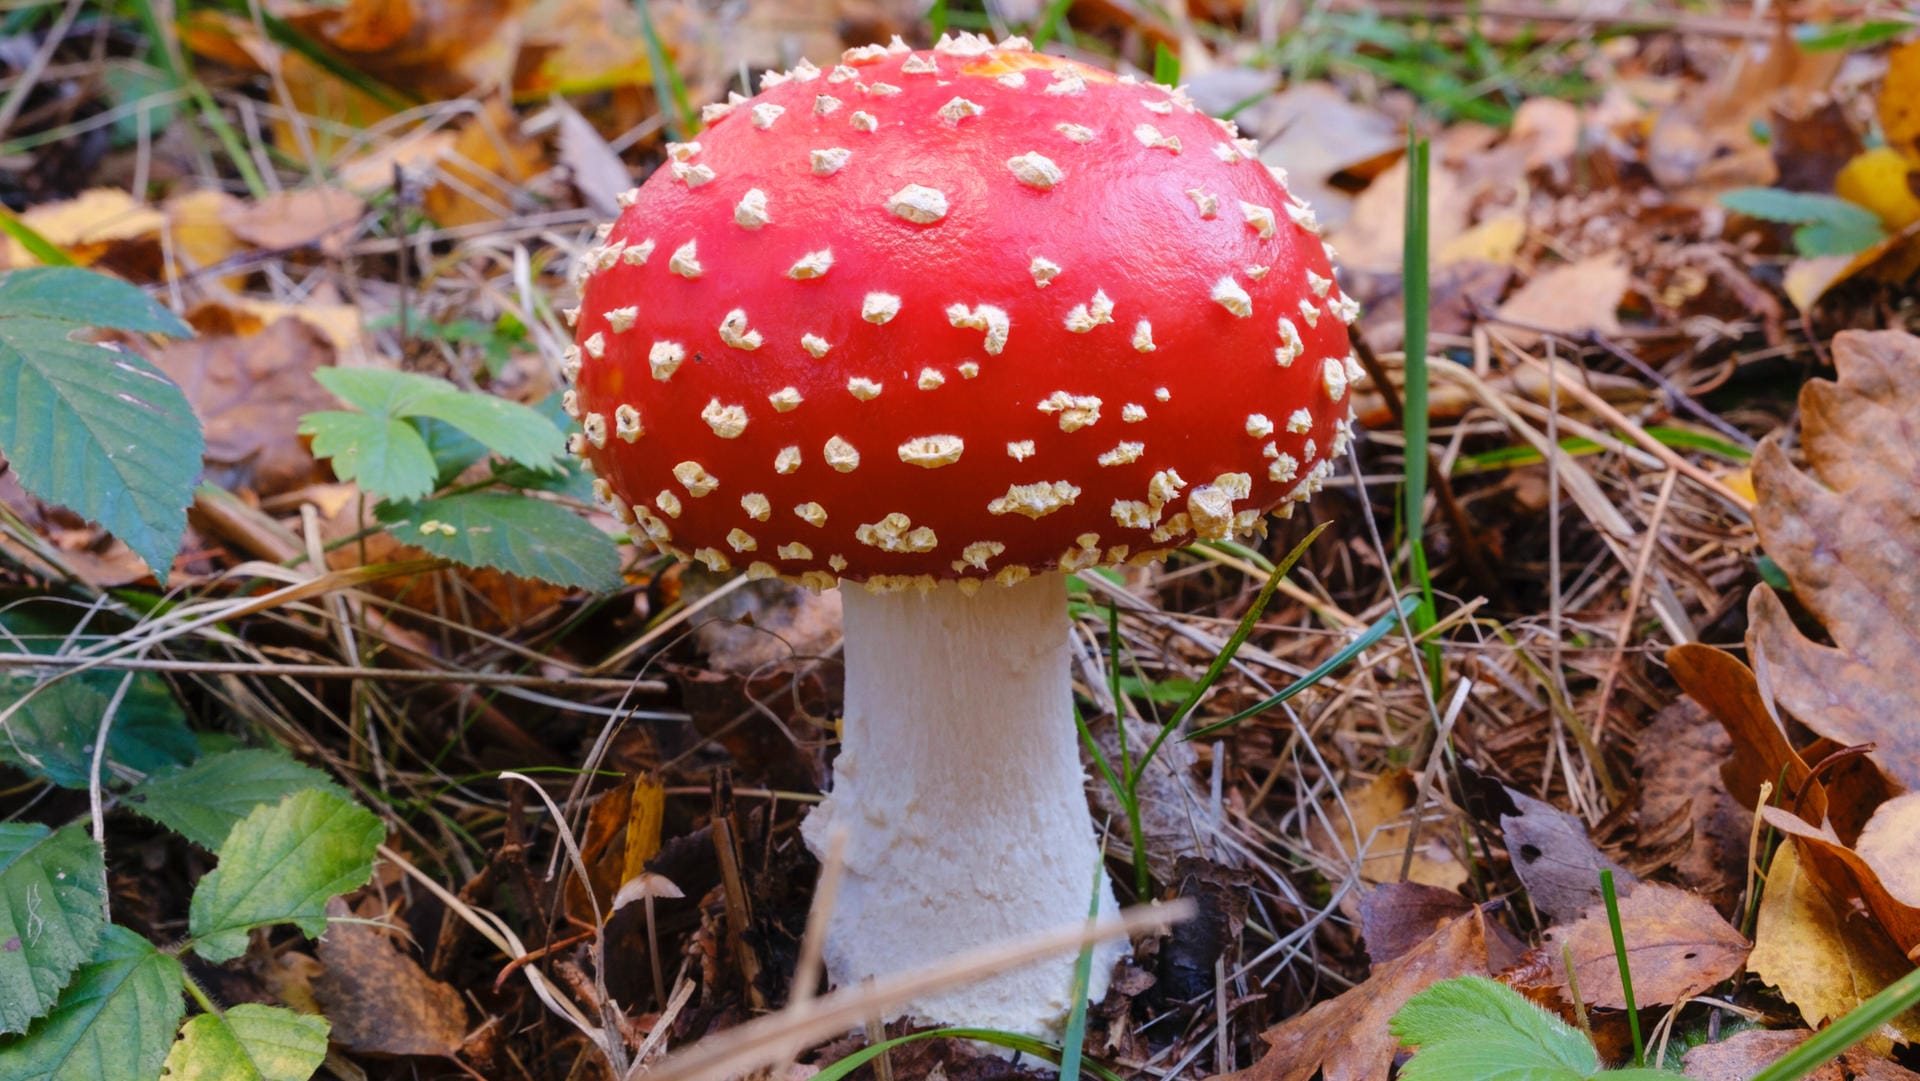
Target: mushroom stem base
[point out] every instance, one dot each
(960, 786)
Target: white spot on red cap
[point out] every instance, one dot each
(983, 317)
(879, 308)
(751, 211)
(1207, 204)
(959, 109)
(1035, 170)
(811, 265)
(765, 113)
(757, 506)
(1143, 337)
(785, 400)
(626, 423)
(1290, 344)
(665, 358)
(975, 555)
(861, 120)
(620, 320)
(815, 345)
(825, 104)
(1333, 371)
(1123, 454)
(668, 503)
(1164, 108)
(787, 460)
(638, 254)
(1132, 413)
(812, 513)
(920, 65)
(1300, 421)
(931, 379)
(727, 421)
(1284, 468)
(686, 260)
(695, 479)
(735, 332)
(1259, 218)
(1076, 411)
(1066, 83)
(932, 451)
(595, 344)
(1096, 312)
(1229, 295)
(1012, 79)
(896, 533)
(1021, 450)
(1309, 311)
(691, 175)
(1318, 284)
(841, 455)
(1043, 270)
(1133, 514)
(863, 388)
(1036, 500)
(793, 550)
(1151, 138)
(880, 90)
(1258, 426)
(1079, 133)
(918, 204)
(829, 161)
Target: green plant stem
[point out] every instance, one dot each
(195, 991)
(1626, 975)
(1417, 292)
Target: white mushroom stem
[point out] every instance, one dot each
(960, 786)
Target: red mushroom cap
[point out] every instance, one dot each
(969, 312)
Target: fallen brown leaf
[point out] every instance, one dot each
(1346, 1038)
(1848, 536)
(1745, 1054)
(1378, 810)
(1890, 845)
(310, 217)
(1846, 876)
(1396, 917)
(1677, 947)
(377, 997)
(1679, 758)
(1573, 299)
(1822, 959)
(250, 388)
(490, 156)
(1761, 754)
(1556, 861)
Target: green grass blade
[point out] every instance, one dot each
(1050, 24)
(1074, 1038)
(1859, 1023)
(1027, 1045)
(1418, 294)
(1378, 630)
(667, 84)
(1626, 973)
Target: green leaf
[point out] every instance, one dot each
(1793, 207)
(514, 533)
(1474, 1029)
(89, 427)
(1841, 237)
(53, 888)
(86, 298)
(204, 801)
(385, 456)
(509, 429)
(249, 1042)
(113, 1023)
(279, 865)
(52, 735)
(1829, 37)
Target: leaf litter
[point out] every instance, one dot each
(1601, 318)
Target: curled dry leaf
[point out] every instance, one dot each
(1845, 874)
(1891, 846)
(1677, 947)
(1848, 536)
(1823, 961)
(1346, 1038)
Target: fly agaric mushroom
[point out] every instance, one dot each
(948, 324)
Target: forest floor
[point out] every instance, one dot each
(1663, 559)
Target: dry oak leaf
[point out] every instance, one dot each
(1890, 844)
(1677, 946)
(1346, 1038)
(1849, 541)
(1822, 959)
(1745, 1054)
(1846, 876)
(378, 998)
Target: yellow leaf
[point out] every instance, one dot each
(1379, 813)
(86, 224)
(646, 813)
(1495, 240)
(1822, 962)
(1741, 481)
(1881, 180)
(1900, 100)
(201, 238)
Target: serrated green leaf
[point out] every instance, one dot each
(204, 801)
(384, 456)
(113, 1023)
(53, 887)
(1473, 1023)
(249, 1042)
(379, 390)
(96, 429)
(85, 298)
(453, 450)
(514, 533)
(509, 429)
(279, 865)
(1795, 207)
(52, 735)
